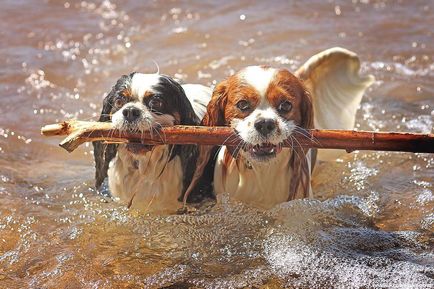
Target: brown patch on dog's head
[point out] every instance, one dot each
(126, 92)
(286, 87)
(148, 94)
(284, 90)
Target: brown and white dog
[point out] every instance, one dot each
(267, 107)
(149, 178)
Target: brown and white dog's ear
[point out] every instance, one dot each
(301, 173)
(301, 159)
(214, 116)
(306, 107)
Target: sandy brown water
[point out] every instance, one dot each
(371, 225)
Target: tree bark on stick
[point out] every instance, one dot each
(79, 132)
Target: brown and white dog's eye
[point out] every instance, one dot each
(243, 105)
(155, 104)
(285, 107)
(119, 102)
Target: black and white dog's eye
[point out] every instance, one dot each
(155, 103)
(285, 107)
(243, 105)
(119, 102)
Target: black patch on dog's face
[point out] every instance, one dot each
(175, 102)
(121, 91)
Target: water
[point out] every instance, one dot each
(371, 225)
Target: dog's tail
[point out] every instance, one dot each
(332, 77)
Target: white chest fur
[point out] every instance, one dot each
(262, 185)
(147, 182)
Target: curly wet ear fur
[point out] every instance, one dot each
(299, 163)
(306, 108)
(168, 86)
(214, 116)
(104, 153)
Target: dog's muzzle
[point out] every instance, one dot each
(265, 126)
(131, 114)
(133, 118)
(263, 152)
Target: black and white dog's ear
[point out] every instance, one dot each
(180, 105)
(187, 153)
(196, 187)
(104, 153)
(181, 102)
(107, 106)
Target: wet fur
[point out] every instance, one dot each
(117, 162)
(333, 91)
(283, 178)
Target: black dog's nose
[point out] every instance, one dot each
(265, 126)
(131, 113)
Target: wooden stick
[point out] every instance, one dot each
(79, 132)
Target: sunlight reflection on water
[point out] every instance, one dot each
(372, 222)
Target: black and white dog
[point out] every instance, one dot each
(149, 178)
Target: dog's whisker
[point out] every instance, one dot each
(149, 128)
(238, 149)
(299, 144)
(231, 135)
(306, 134)
(157, 130)
(294, 149)
(142, 134)
(242, 145)
(245, 146)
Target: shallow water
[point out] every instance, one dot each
(371, 225)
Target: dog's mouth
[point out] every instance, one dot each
(139, 127)
(135, 147)
(264, 151)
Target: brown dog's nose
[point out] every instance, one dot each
(265, 126)
(131, 113)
